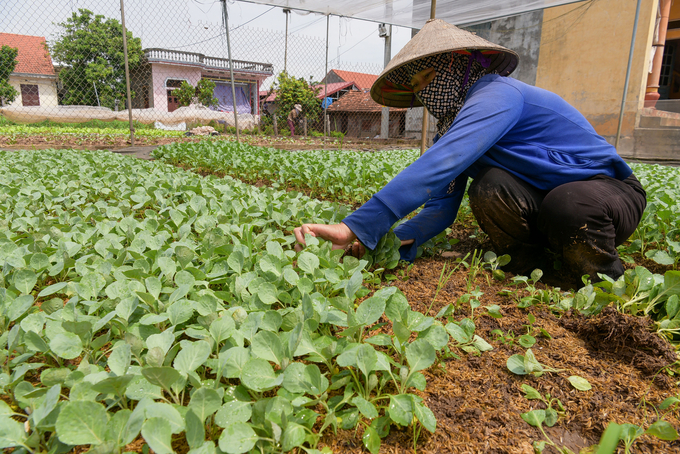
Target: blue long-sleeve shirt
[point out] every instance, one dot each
(530, 132)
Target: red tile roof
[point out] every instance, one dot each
(362, 80)
(332, 88)
(33, 57)
(358, 101)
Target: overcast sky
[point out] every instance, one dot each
(258, 31)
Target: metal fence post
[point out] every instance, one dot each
(127, 73)
(231, 68)
(325, 85)
(423, 139)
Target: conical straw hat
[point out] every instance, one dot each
(438, 37)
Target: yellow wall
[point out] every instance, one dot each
(584, 55)
(675, 15)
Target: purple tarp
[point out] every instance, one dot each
(224, 100)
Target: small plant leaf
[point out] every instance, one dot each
(534, 417)
(156, 432)
(267, 345)
(667, 403)
(401, 409)
(232, 412)
(662, 430)
(370, 311)
(195, 430)
(19, 307)
(531, 364)
(367, 359)
(293, 436)
(82, 423)
(308, 262)
(580, 383)
(365, 407)
(530, 393)
(237, 438)
(420, 355)
(610, 439)
(425, 416)
(12, 433)
(25, 280)
(204, 402)
(163, 376)
(526, 341)
(515, 364)
(192, 357)
(258, 375)
(371, 440)
(551, 417)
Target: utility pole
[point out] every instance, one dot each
(231, 68)
(285, 52)
(127, 73)
(386, 32)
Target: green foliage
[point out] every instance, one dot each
(90, 48)
(291, 91)
(346, 176)
(187, 309)
(8, 61)
(91, 124)
(98, 131)
(657, 236)
(628, 434)
(204, 92)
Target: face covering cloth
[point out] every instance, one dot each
(445, 95)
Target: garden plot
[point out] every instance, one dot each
(146, 306)
(345, 176)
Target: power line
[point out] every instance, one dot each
(220, 35)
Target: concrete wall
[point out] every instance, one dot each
(366, 124)
(47, 90)
(584, 55)
(520, 33)
(160, 73)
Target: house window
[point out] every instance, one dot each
(174, 83)
(30, 96)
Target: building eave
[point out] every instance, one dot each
(34, 76)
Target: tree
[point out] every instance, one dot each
(204, 92)
(91, 52)
(8, 61)
(291, 91)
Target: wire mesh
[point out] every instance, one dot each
(70, 69)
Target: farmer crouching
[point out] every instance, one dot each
(541, 175)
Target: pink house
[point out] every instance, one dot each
(167, 69)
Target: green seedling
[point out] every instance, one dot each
(628, 434)
(528, 364)
(444, 277)
(553, 406)
(494, 264)
(508, 338)
(537, 418)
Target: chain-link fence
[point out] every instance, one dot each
(67, 65)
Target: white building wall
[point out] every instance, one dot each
(47, 90)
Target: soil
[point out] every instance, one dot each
(477, 401)
(97, 142)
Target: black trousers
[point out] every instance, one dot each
(584, 220)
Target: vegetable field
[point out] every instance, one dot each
(150, 308)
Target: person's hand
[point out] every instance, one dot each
(339, 234)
